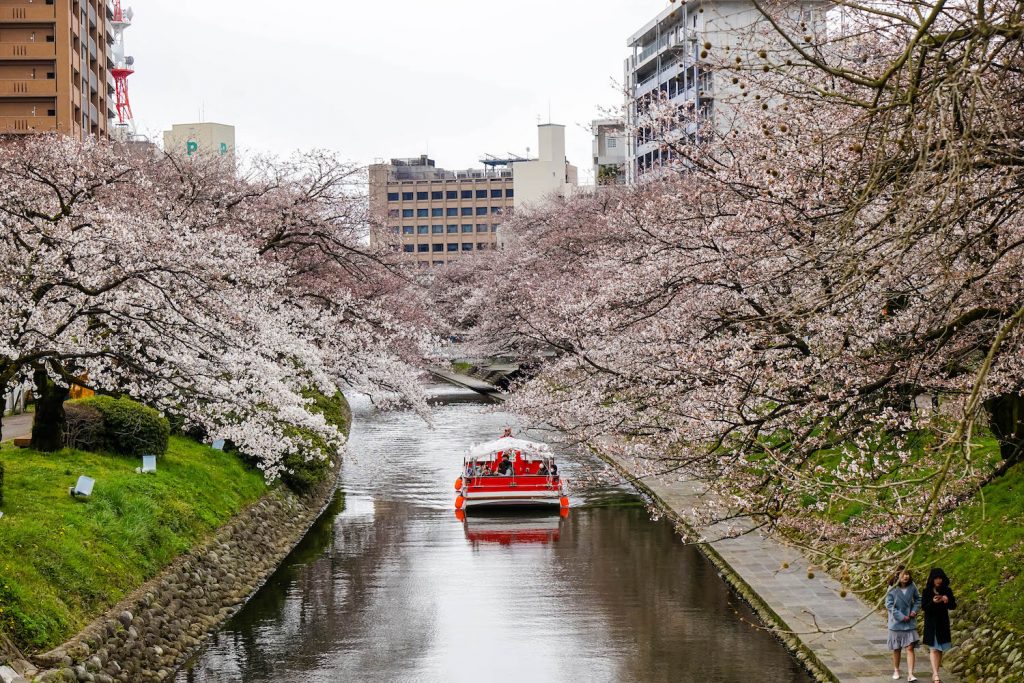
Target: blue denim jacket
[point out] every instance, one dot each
(900, 605)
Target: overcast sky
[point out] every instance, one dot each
(455, 78)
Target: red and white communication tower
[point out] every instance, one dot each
(122, 70)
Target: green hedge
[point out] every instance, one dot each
(302, 473)
(129, 428)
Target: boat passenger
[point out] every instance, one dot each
(505, 468)
(554, 469)
(543, 469)
(507, 433)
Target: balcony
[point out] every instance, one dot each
(28, 88)
(28, 14)
(40, 50)
(27, 124)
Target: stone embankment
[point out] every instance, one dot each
(985, 653)
(153, 631)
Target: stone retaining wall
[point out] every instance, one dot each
(983, 652)
(153, 631)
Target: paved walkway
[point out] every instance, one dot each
(15, 426)
(812, 608)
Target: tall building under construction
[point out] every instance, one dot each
(55, 67)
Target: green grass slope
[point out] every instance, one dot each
(64, 561)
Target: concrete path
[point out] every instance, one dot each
(846, 635)
(16, 426)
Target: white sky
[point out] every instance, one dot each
(455, 78)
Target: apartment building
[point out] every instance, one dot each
(55, 66)
(435, 216)
(610, 146)
(673, 56)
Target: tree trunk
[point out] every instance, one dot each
(1007, 413)
(48, 425)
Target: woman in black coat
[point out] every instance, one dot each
(936, 602)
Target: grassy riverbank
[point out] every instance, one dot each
(64, 561)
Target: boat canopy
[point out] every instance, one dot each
(530, 450)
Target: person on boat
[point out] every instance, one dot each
(543, 469)
(505, 468)
(554, 469)
(507, 433)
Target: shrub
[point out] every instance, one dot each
(130, 428)
(303, 471)
(84, 428)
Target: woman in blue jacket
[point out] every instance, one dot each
(903, 602)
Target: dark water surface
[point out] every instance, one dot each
(390, 586)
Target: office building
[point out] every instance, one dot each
(55, 64)
(435, 216)
(610, 146)
(191, 139)
(673, 56)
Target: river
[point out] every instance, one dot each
(390, 586)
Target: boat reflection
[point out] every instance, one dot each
(512, 527)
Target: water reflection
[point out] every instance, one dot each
(392, 587)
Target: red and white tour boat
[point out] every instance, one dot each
(510, 472)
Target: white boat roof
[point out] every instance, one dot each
(527, 448)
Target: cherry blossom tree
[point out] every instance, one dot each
(171, 282)
(767, 312)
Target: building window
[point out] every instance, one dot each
(437, 229)
(497, 210)
(452, 194)
(407, 213)
(392, 213)
(437, 195)
(468, 211)
(452, 228)
(438, 263)
(408, 248)
(481, 227)
(407, 230)
(613, 143)
(453, 246)
(481, 211)
(496, 194)
(481, 194)
(467, 228)
(422, 229)
(480, 246)
(422, 248)
(407, 196)
(422, 196)
(422, 213)
(467, 194)
(438, 247)
(494, 227)
(453, 211)
(467, 246)
(393, 196)
(510, 192)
